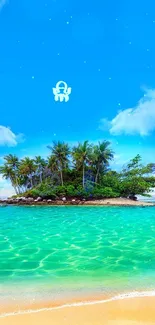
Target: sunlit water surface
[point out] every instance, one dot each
(77, 248)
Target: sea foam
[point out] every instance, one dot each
(134, 294)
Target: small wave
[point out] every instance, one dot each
(135, 294)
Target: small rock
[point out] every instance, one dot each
(49, 200)
(30, 199)
(10, 201)
(64, 199)
(38, 199)
(73, 200)
(22, 198)
(133, 197)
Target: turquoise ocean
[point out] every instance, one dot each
(75, 249)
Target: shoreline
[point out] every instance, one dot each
(126, 309)
(75, 202)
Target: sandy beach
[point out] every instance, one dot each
(131, 311)
(118, 202)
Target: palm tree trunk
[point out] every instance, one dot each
(16, 181)
(97, 175)
(13, 185)
(17, 186)
(19, 191)
(41, 177)
(31, 181)
(15, 189)
(83, 175)
(61, 176)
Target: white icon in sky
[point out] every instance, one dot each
(61, 91)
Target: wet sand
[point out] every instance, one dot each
(131, 311)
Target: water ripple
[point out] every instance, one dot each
(77, 243)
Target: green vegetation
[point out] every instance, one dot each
(79, 172)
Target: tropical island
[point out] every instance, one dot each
(77, 175)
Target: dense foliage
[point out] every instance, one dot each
(79, 172)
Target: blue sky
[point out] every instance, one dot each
(104, 50)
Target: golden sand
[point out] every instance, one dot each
(131, 311)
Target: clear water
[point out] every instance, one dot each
(102, 246)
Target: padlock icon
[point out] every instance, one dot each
(61, 91)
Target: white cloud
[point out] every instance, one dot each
(6, 190)
(137, 120)
(8, 138)
(119, 160)
(2, 3)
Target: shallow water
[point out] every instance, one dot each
(78, 246)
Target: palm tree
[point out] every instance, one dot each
(40, 165)
(100, 157)
(52, 164)
(28, 168)
(8, 173)
(12, 162)
(81, 156)
(60, 157)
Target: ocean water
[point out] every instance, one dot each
(77, 247)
